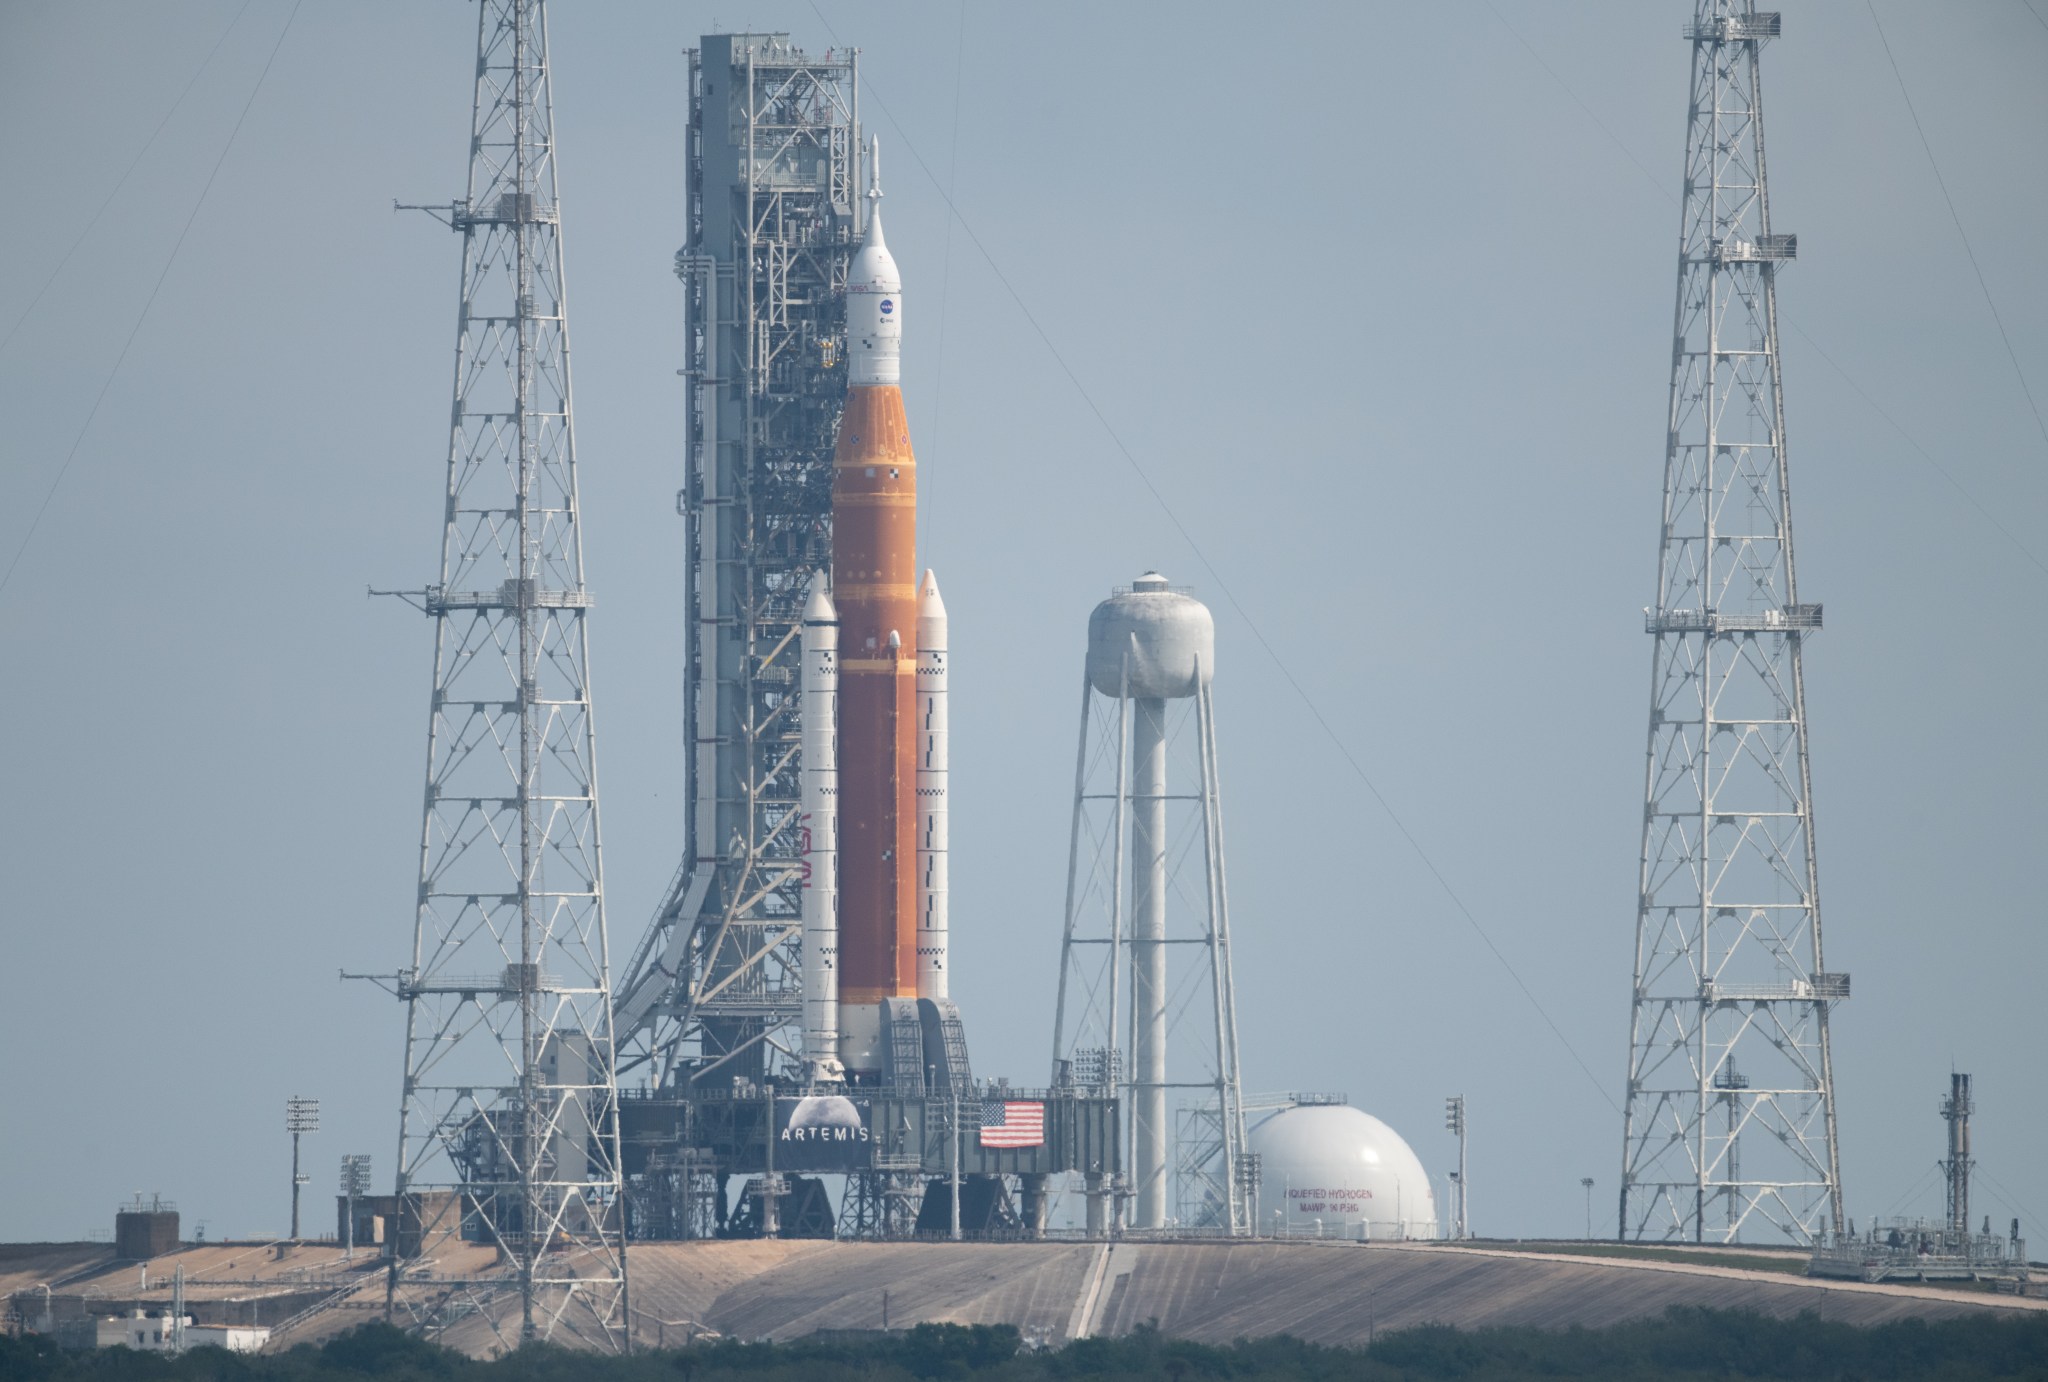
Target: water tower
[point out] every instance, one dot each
(1145, 1002)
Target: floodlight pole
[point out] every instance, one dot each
(1454, 1121)
(300, 1116)
(956, 1164)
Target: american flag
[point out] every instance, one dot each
(1012, 1124)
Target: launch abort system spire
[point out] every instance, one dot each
(507, 1120)
(1731, 1001)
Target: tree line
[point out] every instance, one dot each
(1684, 1343)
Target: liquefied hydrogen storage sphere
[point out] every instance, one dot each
(1332, 1171)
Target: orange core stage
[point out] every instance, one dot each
(874, 583)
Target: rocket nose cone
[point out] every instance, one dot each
(895, 639)
(874, 269)
(929, 602)
(819, 609)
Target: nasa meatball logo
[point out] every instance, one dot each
(887, 307)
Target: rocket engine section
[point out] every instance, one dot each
(891, 739)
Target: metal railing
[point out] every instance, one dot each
(1737, 28)
(439, 599)
(1789, 619)
(1824, 988)
(1920, 1249)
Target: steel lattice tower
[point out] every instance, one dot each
(508, 1123)
(1730, 1125)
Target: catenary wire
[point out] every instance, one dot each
(1286, 672)
(1579, 101)
(2006, 1197)
(127, 173)
(148, 303)
(1917, 1186)
(1919, 450)
(925, 486)
(1968, 249)
(1925, 455)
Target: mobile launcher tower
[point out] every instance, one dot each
(787, 1015)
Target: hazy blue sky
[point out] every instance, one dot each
(1368, 293)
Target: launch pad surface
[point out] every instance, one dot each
(1213, 1292)
(1329, 1293)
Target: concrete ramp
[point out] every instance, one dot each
(861, 1286)
(1214, 1292)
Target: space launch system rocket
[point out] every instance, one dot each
(874, 660)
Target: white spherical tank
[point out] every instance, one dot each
(1332, 1171)
(1169, 636)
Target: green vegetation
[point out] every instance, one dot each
(1683, 1344)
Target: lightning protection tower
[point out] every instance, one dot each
(1147, 970)
(1732, 998)
(714, 990)
(507, 1120)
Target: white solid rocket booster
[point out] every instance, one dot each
(820, 788)
(931, 789)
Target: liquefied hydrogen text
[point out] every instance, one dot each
(1338, 1201)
